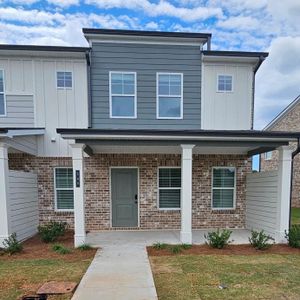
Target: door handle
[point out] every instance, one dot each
(136, 198)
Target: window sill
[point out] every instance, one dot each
(64, 210)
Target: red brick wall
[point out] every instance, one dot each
(98, 193)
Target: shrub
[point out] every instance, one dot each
(175, 249)
(260, 240)
(293, 236)
(11, 244)
(84, 247)
(60, 249)
(159, 246)
(186, 246)
(218, 239)
(50, 232)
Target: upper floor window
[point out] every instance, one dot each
(223, 188)
(169, 95)
(268, 155)
(122, 94)
(2, 95)
(225, 83)
(64, 79)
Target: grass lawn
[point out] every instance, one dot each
(24, 273)
(266, 276)
(295, 215)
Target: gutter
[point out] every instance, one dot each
(292, 177)
(88, 62)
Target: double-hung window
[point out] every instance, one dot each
(268, 155)
(2, 95)
(122, 95)
(223, 187)
(225, 83)
(64, 193)
(64, 80)
(169, 188)
(169, 96)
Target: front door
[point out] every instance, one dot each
(124, 197)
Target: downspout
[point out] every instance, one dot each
(292, 175)
(88, 62)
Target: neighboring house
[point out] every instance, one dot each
(142, 130)
(287, 120)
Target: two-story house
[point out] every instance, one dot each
(141, 130)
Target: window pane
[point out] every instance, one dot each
(122, 106)
(1, 82)
(164, 90)
(64, 178)
(170, 177)
(128, 89)
(169, 198)
(61, 76)
(116, 78)
(164, 79)
(223, 198)
(223, 177)
(169, 107)
(117, 88)
(65, 199)
(60, 83)
(175, 90)
(175, 79)
(128, 79)
(2, 104)
(68, 83)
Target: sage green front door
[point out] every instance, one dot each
(124, 197)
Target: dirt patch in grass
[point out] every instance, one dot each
(229, 250)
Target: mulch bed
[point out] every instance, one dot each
(229, 250)
(34, 248)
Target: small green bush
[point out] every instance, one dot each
(61, 249)
(260, 240)
(12, 245)
(175, 249)
(159, 246)
(218, 239)
(51, 232)
(186, 246)
(84, 247)
(293, 236)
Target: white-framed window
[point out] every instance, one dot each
(2, 95)
(122, 90)
(169, 98)
(223, 187)
(64, 192)
(268, 155)
(64, 79)
(225, 83)
(169, 187)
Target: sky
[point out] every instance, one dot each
(244, 25)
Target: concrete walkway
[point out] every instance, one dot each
(121, 269)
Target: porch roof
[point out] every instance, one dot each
(248, 142)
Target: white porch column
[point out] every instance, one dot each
(79, 195)
(4, 194)
(186, 194)
(284, 191)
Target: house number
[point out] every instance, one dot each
(77, 178)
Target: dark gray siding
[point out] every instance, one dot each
(146, 61)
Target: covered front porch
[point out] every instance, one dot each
(196, 153)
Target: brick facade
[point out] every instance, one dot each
(97, 189)
(289, 122)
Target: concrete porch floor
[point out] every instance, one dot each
(148, 237)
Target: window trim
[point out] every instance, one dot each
(56, 209)
(4, 95)
(169, 188)
(232, 81)
(234, 188)
(60, 87)
(175, 96)
(129, 95)
(268, 158)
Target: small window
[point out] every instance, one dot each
(169, 188)
(169, 95)
(2, 95)
(224, 83)
(122, 95)
(64, 79)
(64, 193)
(223, 188)
(268, 155)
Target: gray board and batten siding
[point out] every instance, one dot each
(146, 60)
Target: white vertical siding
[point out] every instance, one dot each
(261, 201)
(230, 110)
(23, 204)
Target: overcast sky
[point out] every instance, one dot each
(248, 25)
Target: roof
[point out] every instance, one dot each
(43, 48)
(235, 53)
(146, 33)
(14, 131)
(282, 114)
